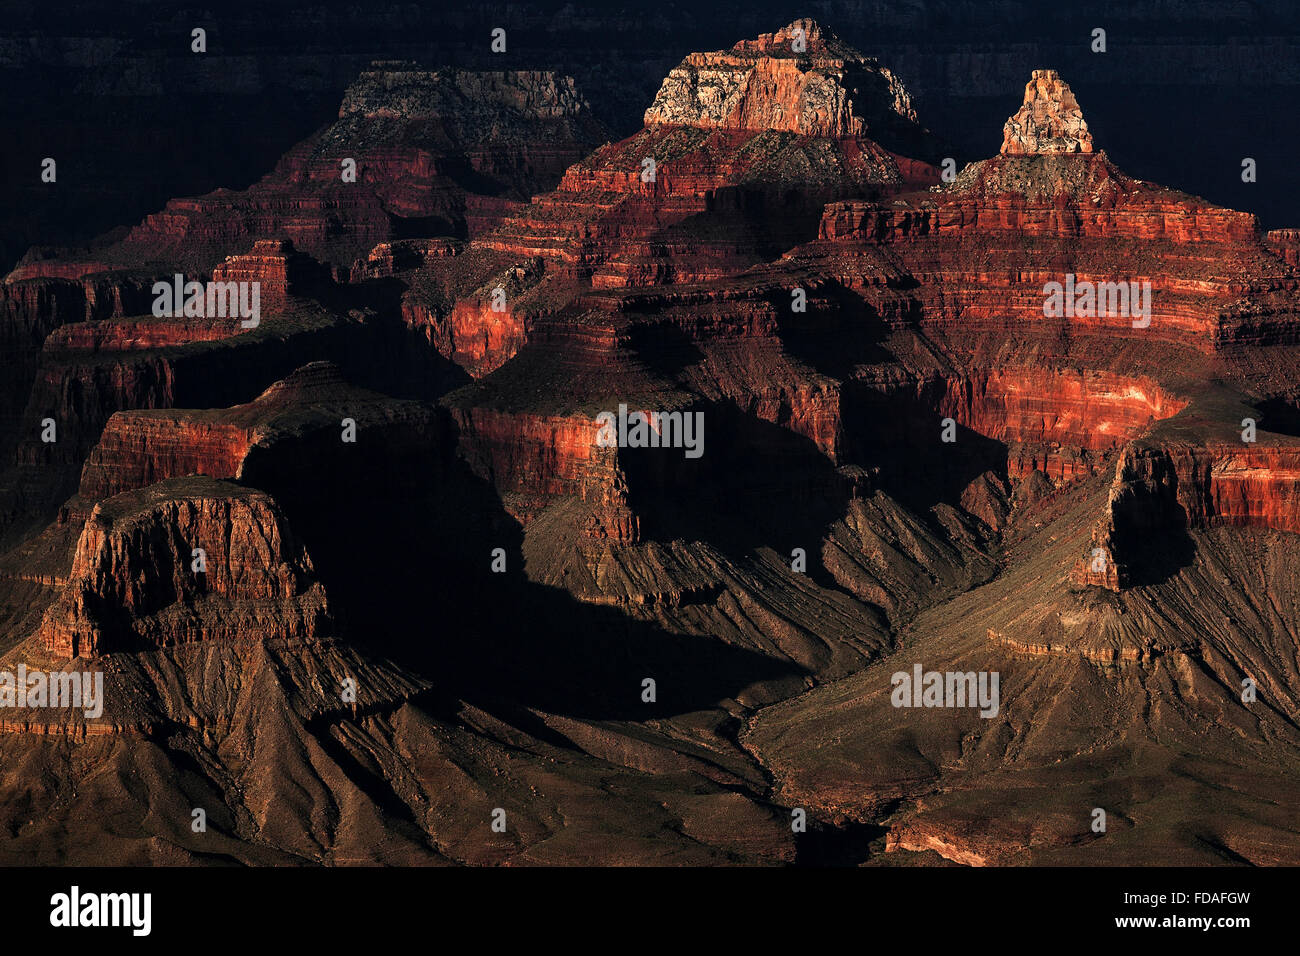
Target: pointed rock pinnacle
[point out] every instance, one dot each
(1050, 120)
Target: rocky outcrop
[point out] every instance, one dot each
(1286, 244)
(85, 297)
(1097, 569)
(139, 448)
(433, 150)
(87, 348)
(144, 446)
(542, 104)
(80, 386)
(800, 79)
(1044, 414)
(1048, 196)
(533, 460)
(279, 271)
(485, 326)
(676, 204)
(391, 258)
(139, 580)
(759, 132)
(740, 152)
(1050, 120)
(1162, 489)
(198, 233)
(32, 308)
(1049, 213)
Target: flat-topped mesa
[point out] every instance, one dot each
(1049, 121)
(190, 559)
(281, 429)
(279, 270)
(801, 79)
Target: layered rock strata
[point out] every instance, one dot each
(185, 560)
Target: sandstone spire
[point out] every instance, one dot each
(1050, 120)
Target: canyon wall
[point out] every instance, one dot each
(133, 582)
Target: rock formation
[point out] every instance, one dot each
(185, 560)
(278, 269)
(800, 79)
(144, 446)
(731, 138)
(447, 151)
(1050, 120)
(912, 452)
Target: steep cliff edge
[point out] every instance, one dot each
(739, 150)
(1161, 490)
(139, 579)
(144, 446)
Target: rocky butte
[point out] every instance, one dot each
(738, 155)
(130, 586)
(396, 480)
(1049, 121)
(800, 79)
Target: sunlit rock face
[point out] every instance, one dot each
(1050, 120)
(800, 79)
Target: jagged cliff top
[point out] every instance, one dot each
(1047, 151)
(802, 79)
(818, 41)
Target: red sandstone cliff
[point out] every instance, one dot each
(989, 242)
(133, 582)
(144, 446)
(762, 129)
(1161, 489)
